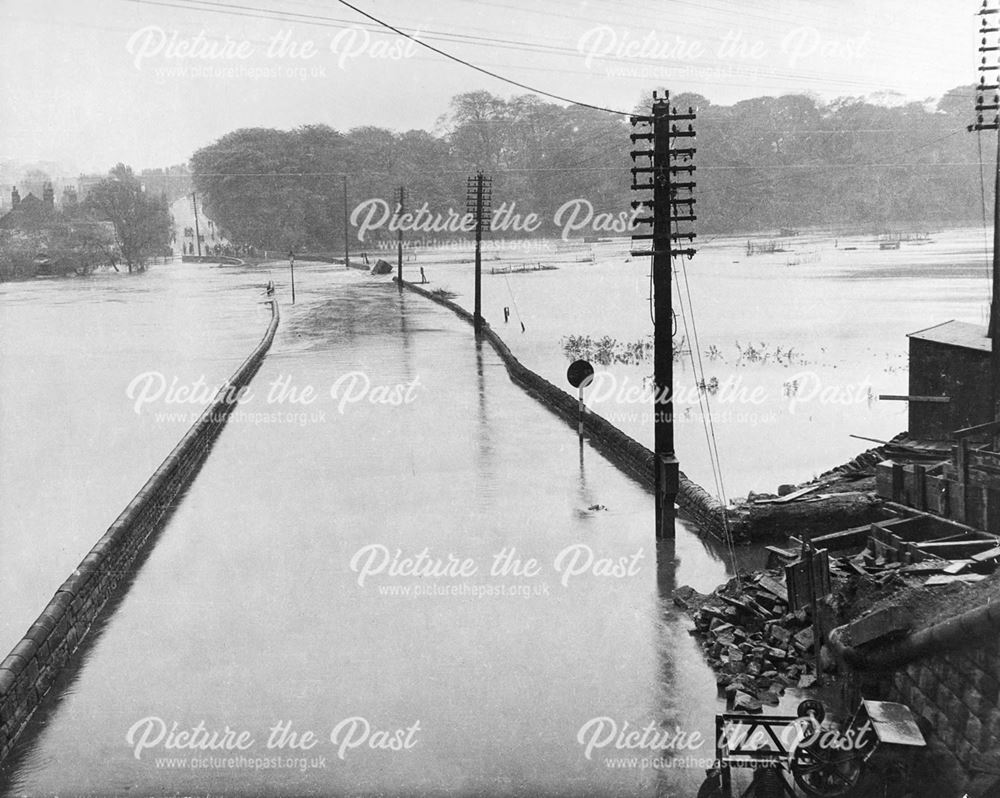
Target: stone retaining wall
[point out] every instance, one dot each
(957, 692)
(625, 452)
(27, 673)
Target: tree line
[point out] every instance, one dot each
(762, 164)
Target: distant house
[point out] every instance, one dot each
(38, 238)
(29, 213)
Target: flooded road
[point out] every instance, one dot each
(420, 554)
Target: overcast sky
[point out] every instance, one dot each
(87, 83)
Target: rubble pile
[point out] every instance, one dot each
(754, 644)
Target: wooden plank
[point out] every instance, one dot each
(955, 549)
(947, 579)
(774, 587)
(791, 496)
(748, 606)
(843, 539)
(919, 487)
(962, 472)
(956, 566)
(990, 554)
(991, 512)
(898, 398)
(898, 483)
(989, 428)
(925, 567)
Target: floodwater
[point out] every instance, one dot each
(281, 598)
(74, 451)
(800, 343)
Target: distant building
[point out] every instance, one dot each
(69, 198)
(84, 184)
(29, 213)
(48, 240)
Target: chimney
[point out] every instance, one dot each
(48, 196)
(15, 198)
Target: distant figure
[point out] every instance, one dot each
(423, 277)
(364, 255)
(506, 315)
(270, 288)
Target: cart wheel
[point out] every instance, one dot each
(811, 707)
(824, 773)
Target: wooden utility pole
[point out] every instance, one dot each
(671, 205)
(347, 233)
(478, 202)
(291, 266)
(988, 100)
(399, 238)
(197, 232)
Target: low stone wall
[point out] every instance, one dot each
(625, 452)
(27, 673)
(212, 259)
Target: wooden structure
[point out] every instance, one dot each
(965, 488)
(949, 361)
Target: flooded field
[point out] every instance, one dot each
(796, 346)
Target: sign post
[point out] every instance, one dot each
(580, 374)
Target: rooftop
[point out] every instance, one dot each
(955, 333)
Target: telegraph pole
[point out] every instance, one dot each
(989, 82)
(478, 202)
(197, 232)
(347, 239)
(399, 238)
(291, 266)
(670, 169)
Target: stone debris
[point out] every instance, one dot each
(754, 644)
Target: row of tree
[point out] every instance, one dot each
(764, 163)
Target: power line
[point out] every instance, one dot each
(798, 74)
(470, 65)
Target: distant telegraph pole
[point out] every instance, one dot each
(399, 238)
(197, 232)
(478, 202)
(988, 99)
(670, 169)
(347, 239)
(291, 266)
